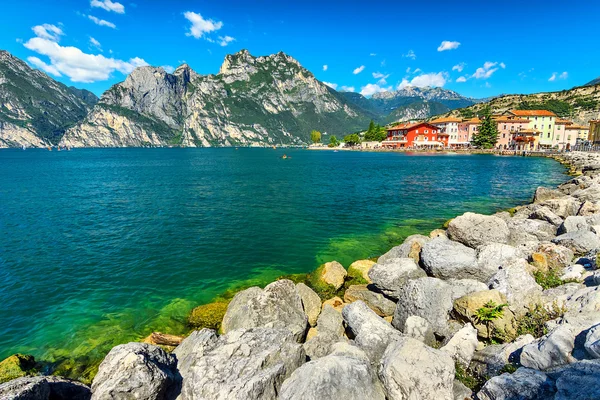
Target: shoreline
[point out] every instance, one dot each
(311, 278)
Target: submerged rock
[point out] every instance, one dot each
(344, 374)
(137, 370)
(279, 305)
(412, 370)
(245, 364)
(333, 273)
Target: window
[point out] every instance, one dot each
(504, 135)
(549, 126)
(426, 131)
(548, 134)
(535, 127)
(504, 126)
(569, 137)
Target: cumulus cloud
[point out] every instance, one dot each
(372, 88)
(459, 67)
(201, 26)
(101, 22)
(72, 62)
(411, 54)
(556, 76)
(448, 45)
(461, 79)
(48, 31)
(331, 85)
(225, 40)
(487, 70)
(95, 43)
(432, 79)
(108, 6)
(358, 70)
(347, 89)
(325, 67)
(379, 75)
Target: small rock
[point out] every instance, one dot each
(322, 344)
(437, 233)
(335, 302)
(580, 242)
(376, 301)
(333, 273)
(331, 321)
(553, 256)
(573, 272)
(516, 283)
(411, 245)
(493, 358)
(592, 342)
(462, 345)
(551, 350)
(563, 207)
(475, 230)
(545, 214)
(411, 370)
(311, 303)
(460, 391)
(362, 268)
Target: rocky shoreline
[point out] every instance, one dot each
(493, 307)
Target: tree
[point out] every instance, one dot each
(333, 141)
(352, 139)
(487, 135)
(375, 133)
(489, 313)
(315, 137)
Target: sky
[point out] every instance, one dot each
(478, 49)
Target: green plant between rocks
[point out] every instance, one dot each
(468, 378)
(534, 321)
(549, 279)
(489, 313)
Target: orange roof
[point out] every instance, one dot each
(472, 121)
(563, 122)
(511, 120)
(445, 120)
(533, 113)
(410, 125)
(532, 131)
(577, 127)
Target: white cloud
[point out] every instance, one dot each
(168, 68)
(225, 40)
(95, 43)
(48, 31)
(459, 67)
(416, 71)
(347, 89)
(371, 88)
(101, 22)
(408, 70)
(461, 79)
(411, 54)
(379, 75)
(358, 70)
(447, 45)
(432, 79)
(108, 5)
(200, 26)
(325, 67)
(556, 76)
(373, 54)
(487, 70)
(74, 63)
(331, 85)
(43, 66)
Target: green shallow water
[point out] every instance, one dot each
(100, 247)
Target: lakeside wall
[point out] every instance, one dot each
(406, 325)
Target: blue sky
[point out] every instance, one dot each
(477, 49)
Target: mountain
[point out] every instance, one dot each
(251, 101)
(579, 104)
(594, 82)
(36, 110)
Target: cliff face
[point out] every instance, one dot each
(251, 101)
(35, 110)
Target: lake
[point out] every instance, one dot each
(103, 246)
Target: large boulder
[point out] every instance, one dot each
(389, 276)
(344, 374)
(465, 308)
(579, 381)
(245, 364)
(16, 366)
(418, 328)
(545, 214)
(462, 345)
(462, 287)
(44, 388)
(491, 257)
(192, 348)
(361, 268)
(592, 342)
(136, 370)
(526, 230)
(572, 224)
(518, 285)
(410, 248)
(475, 230)
(591, 193)
(428, 298)
(550, 256)
(371, 333)
(311, 302)
(524, 384)
(551, 350)
(411, 370)
(447, 259)
(277, 306)
(544, 193)
(329, 331)
(580, 242)
(376, 301)
(493, 358)
(563, 207)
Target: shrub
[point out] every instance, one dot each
(534, 321)
(489, 313)
(468, 377)
(549, 279)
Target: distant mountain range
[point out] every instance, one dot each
(593, 82)
(251, 101)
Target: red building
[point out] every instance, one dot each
(415, 135)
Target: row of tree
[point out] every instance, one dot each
(486, 137)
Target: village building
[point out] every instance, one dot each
(414, 135)
(449, 126)
(541, 121)
(576, 134)
(594, 131)
(560, 140)
(467, 128)
(508, 127)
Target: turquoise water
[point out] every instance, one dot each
(99, 247)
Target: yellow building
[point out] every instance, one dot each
(594, 134)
